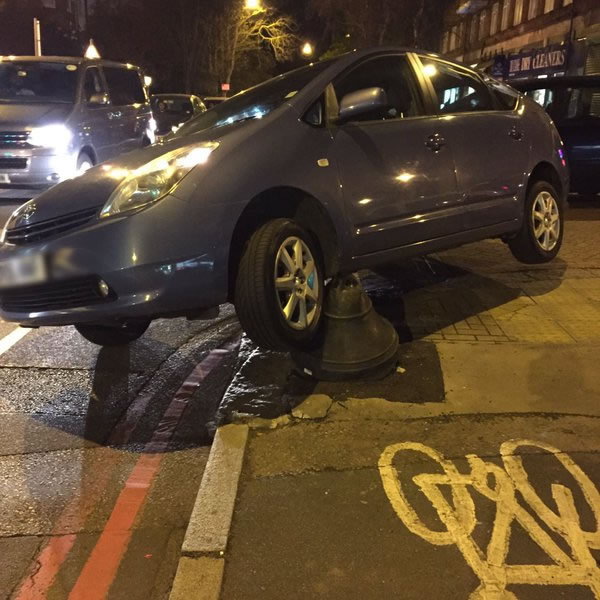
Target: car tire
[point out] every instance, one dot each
(113, 335)
(279, 287)
(541, 234)
(84, 162)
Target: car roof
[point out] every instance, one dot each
(558, 82)
(173, 95)
(68, 60)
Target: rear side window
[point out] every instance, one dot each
(457, 91)
(92, 83)
(507, 97)
(394, 75)
(124, 86)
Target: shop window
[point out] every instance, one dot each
(548, 6)
(584, 103)
(474, 30)
(505, 13)
(494, 19)
(534, 6)
(518, 16)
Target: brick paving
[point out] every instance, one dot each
(480, 294)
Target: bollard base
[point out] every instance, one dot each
(355, 342)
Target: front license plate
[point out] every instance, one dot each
(28, 269)
(4, 178)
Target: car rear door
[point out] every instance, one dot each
(487, 139)
(398, 179)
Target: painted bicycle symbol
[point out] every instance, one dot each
(500, 485)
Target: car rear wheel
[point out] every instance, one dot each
(117, 334)
(541, 234)
(279, 287)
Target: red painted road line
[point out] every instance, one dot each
(43, 571)
(101, 567)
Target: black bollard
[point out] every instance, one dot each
(355, 341)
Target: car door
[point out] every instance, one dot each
(127, 95)
(579, 127)
(487, 139)
(95, 122)
(398, 183)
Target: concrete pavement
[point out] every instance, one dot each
(472, 472)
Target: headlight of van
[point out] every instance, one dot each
(154, 180)
(51, 136)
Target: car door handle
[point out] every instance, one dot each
(435, 142)
(115, 115)
(515, 134)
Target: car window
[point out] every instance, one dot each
(124, 86)
(394, 75)
(584, 103)
(92, 84)
(543, 96)
(507, 97)
(457, 91)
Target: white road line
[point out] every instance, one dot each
(7, 342)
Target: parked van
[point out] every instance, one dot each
(59, 116)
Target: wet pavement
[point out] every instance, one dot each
(101, 455)
(102, 451)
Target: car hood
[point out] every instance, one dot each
(24, 116)
(93, 188)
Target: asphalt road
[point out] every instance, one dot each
(102, 451)
(101, 456)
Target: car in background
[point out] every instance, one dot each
(211, 101)
(369, 158)
(574, 105)
(171, 111)
(59, 116)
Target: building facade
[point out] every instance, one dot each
(525, 38)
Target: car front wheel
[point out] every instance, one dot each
(118, 334)
(279, 287)
(541, 234)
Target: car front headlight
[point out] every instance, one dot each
(154, 180)
(51, 136)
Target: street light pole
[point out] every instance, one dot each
(37, 37)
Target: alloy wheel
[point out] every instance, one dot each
(546, 221)
(296, 283)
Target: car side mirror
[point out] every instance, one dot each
(98, 100)
(361, 102)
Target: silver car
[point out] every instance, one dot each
(60, 116)
(342, 165)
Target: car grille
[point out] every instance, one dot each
(53, 296)
(28, 234)
(12, 140)
(13, 163)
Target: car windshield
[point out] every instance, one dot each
(171, 105)
(256, 102)
(37, 82)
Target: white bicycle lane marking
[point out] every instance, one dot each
(8, 341)
(500, 485)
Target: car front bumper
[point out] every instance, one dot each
(151, 271)
(25, 173)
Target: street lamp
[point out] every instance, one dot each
(307, 49)
(253, 5)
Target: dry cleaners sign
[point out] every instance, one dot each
(544, 61)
